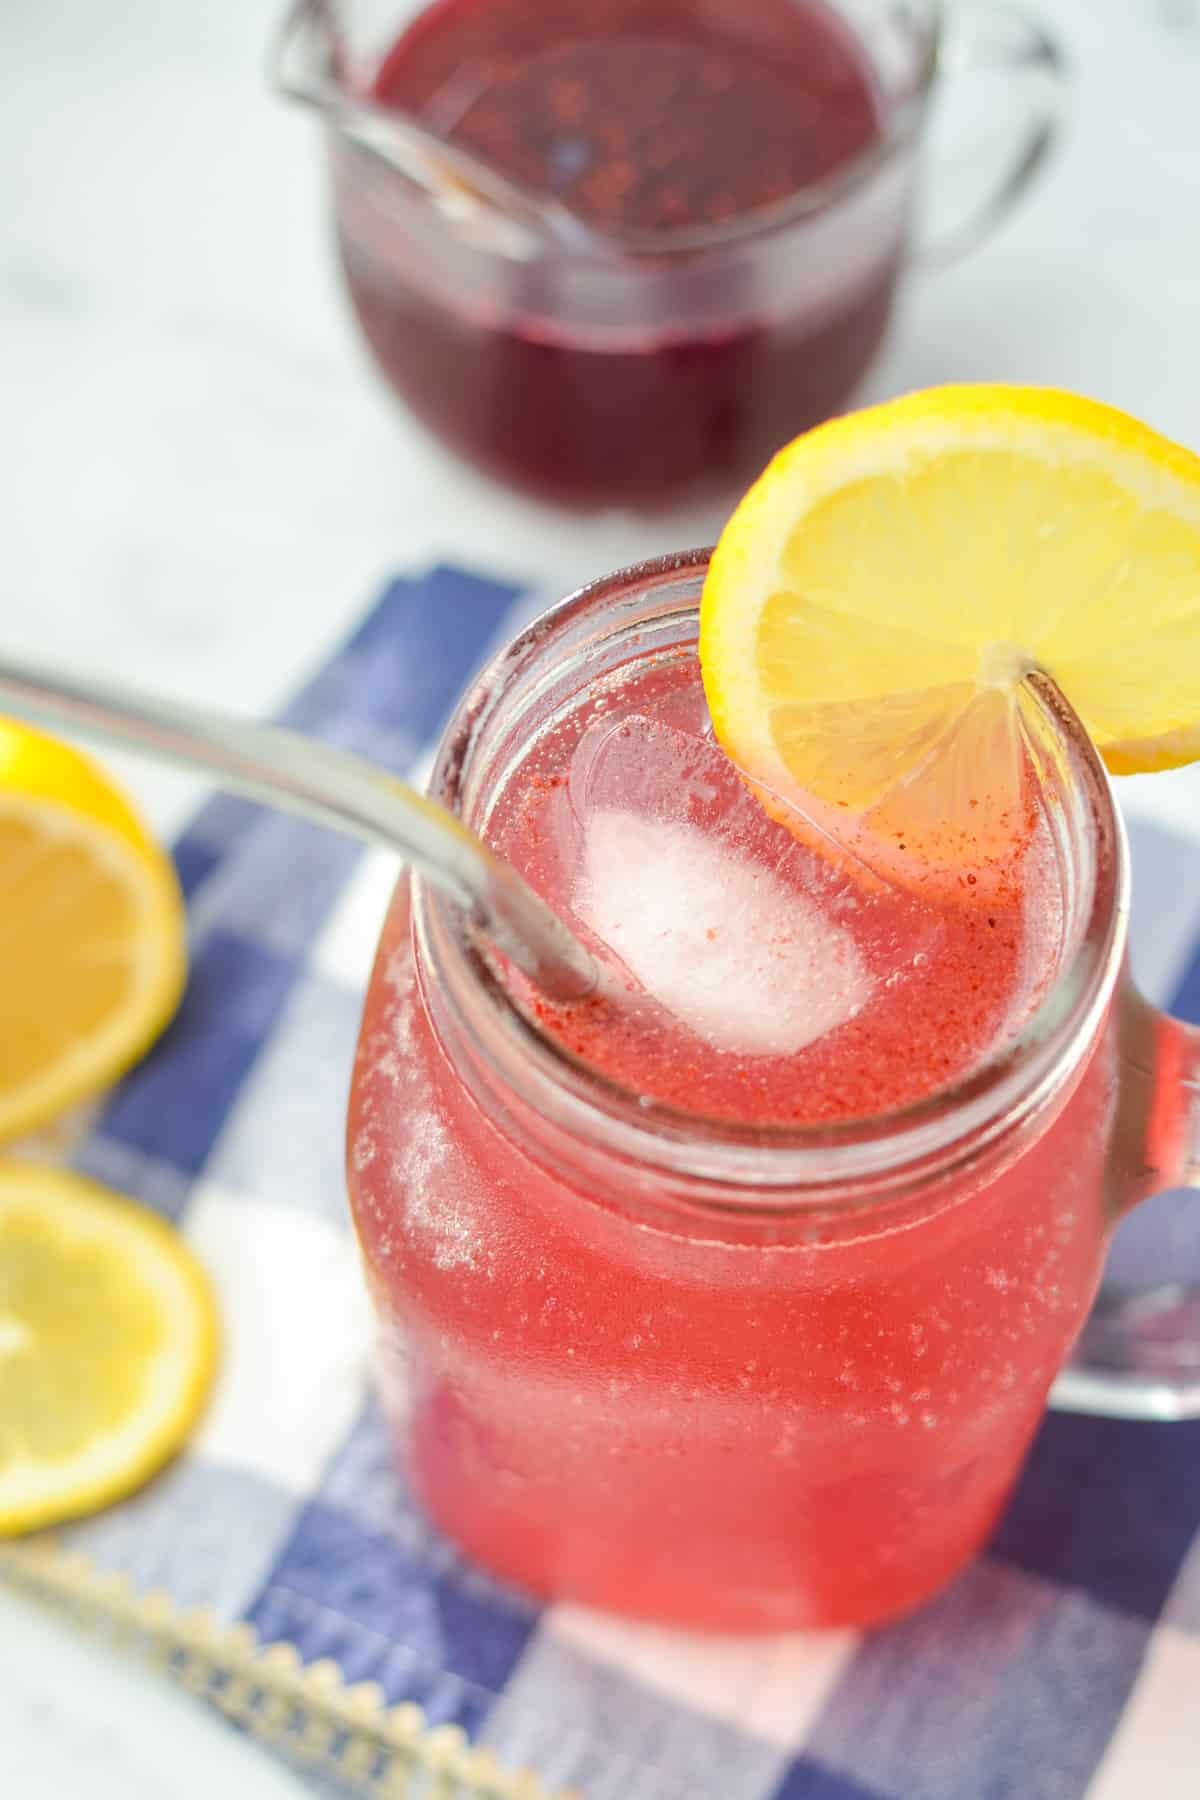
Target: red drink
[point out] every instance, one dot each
(700, 1399)
(607, 382)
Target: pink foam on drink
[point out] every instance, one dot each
(756, 976)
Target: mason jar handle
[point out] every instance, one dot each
(1138, 1356)
(987, 36)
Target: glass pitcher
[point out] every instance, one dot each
(593, 361)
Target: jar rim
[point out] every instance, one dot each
(1000, 1092)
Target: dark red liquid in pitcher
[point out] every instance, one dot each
(646, 116)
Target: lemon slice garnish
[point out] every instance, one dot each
(878, 597)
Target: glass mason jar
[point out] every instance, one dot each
(618, 367)
(740, 1377)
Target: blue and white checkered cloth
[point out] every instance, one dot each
(1064, 1663)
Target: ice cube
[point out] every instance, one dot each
(649, 767)
(731, 948)
(751, 937)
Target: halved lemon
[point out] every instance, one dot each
(107, 1345)
(877, 598)
(92, 945)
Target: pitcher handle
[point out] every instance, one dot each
(1138, 1356)
(986, 37)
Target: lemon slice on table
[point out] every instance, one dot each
(878, 596)
(92, 956)
(107, 1345)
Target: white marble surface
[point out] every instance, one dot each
(202, 486)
